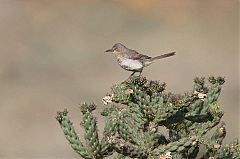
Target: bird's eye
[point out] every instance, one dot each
(114, 48)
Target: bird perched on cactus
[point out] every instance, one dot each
(131, 60)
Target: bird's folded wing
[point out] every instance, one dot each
(132, 54)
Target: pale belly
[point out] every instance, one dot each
(130, 65)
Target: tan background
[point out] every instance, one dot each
(52, 57)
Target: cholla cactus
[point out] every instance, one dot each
(142, 121)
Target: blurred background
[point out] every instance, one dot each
(52, 57)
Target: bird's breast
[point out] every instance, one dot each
(130, 64)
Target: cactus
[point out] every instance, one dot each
(143, 121)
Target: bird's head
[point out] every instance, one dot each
(117, 48)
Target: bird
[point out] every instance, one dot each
(133, 61)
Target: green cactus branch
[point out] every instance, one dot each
(143, 121)
(71, 135)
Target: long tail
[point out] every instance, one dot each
(163, 56)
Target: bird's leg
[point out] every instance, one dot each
(140, 72)
(131, 74)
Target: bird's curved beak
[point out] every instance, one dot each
(109, 50)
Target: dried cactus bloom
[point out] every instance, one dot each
(194, 139)
(217, 146)
(110, 139)
(166, 156)
(153, 127)
(128, 91)
(107, 99)
(200, 95)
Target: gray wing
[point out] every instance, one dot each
(132, 54)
